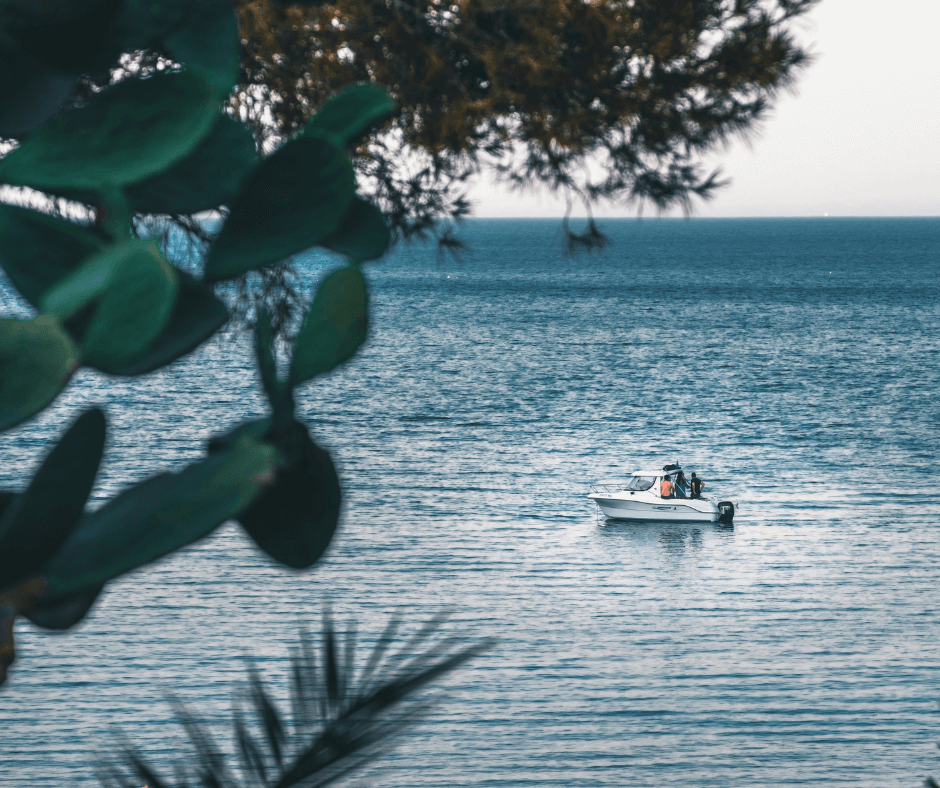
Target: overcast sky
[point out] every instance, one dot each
(859, 137)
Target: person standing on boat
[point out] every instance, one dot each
(697, 485)
(665, 487)
(678, 486)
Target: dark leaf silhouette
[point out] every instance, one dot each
(37, 358)
(340, 718)
(45, 514)
(123, 135)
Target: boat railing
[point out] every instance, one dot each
(609, 487)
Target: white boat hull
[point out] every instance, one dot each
(643, 506)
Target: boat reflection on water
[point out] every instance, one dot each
(674, 538)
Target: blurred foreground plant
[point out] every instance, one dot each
(159, 143)
(342, 716)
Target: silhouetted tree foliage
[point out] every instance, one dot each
(602, 101)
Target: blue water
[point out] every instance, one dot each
(792, 363)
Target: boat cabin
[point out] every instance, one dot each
(649, 481)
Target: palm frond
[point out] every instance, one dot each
(340, 719)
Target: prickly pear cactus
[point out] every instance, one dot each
(109, 300)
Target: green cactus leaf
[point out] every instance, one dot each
(37, 358)
(203, 33)
(38, 251)
(72, 38)
(353, 112)
(142, 23)
(294, 520)
(208, 177)
(279, 394)
(31, 93)
(6, 498)
(86, 282)
(256, 430)
(158, 516)
(133, 311)
(196, 316)
(264, 351)
(135, 289)
(36, 525)
(64, 613)
(288, 203)
(336, 325)
(121, 136)
(362, 233)
(209, 39)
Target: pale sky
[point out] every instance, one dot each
(860, 136)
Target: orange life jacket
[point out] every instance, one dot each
(666, 488)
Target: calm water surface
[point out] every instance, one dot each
(792, 363)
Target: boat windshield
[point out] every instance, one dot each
(641, 483)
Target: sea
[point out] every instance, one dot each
(793, 364)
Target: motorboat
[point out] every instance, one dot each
(640, 498)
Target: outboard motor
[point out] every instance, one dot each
(727, 512)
